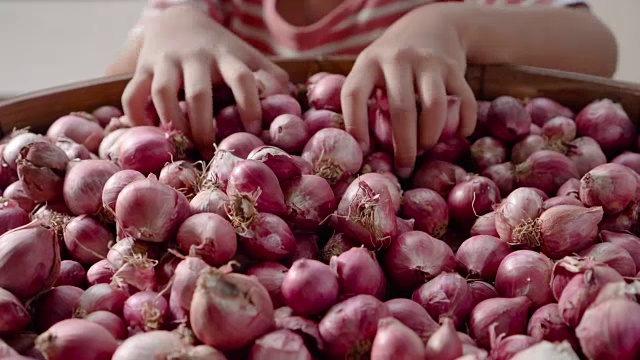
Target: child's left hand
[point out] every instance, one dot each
(420, 54)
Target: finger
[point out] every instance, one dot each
(458, 85)
(164, 91)
(402, 108)
(198, 95)
(256, 60)
(135, 97)
(433, 99)
(243, 85)
(355, 93)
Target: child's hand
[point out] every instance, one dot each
(184, 48)
(416, 55)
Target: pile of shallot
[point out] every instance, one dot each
(520, 242)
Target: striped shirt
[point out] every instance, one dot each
(346, 30)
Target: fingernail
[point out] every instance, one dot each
(405, 172)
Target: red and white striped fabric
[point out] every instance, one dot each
(346, 30)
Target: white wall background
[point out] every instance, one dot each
(51, 42)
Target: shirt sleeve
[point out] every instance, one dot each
(552, 3)
(216, 9)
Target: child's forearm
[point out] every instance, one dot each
(570, 39)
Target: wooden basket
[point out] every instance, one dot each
(39, 109)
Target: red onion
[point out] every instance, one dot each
(229, 311)
(278, 104)
(71, 273)
(504, 348)
(547, 324)
(610, 330)
(109, 321)
(208, 236)
(485, 225)
(379, 162)
(289, 133)
(148, 148)
(17, 192)
(516, 216)
(240, 144)
(508, 120)
(185, 281)
(488, 151)
(100, 297)
(404, 226)
(429, 210)
(166, 208)
(628, 159)
(145, 311)
(76, 339)
(41, 167)
(11, 215)
(151, 345)
(627, 241)
(310, 201)
(453, 149)
(73, 149)
(115, 124)
(307, 248)
(325, 92)
(481, 255)
(481, 291)
(254, 177)
(29, 259)
(228, 122)
(570, 188)
(271, 276)
(544, 109)
(109, 147)
(313, 79)
(445, 296)
(136, 273)
(503, 175)
(12, 149)
(560, 128)
(298, 288)
(337, 244)
(54, 306)
(415, 257)
(100, 273)
(545, 170)
(79, 128)
(104, 113)
(280, 344)
(211, 200)
(482, 126)
(7, 352)
(608, 124)
(526, 273)
(413, 315)
(13, 315)
(613, 255)
(181, 175)
(268, 84)
(527, 146)
(334, 154)
(349, 327)
(220, 168)
(471, 198)
(566, 229)
(585, 153)
(268, 238)
(203, 352)
(126, 248)
(444, 343)
(87, 239)
(561, 200)
(366, 213)
(508, 314)
(317, 120)
(283, 165)
(618, 290)
(84, 183)
(547, 350)
(382, 130)
(439, 176)
(395, 340)
(611, 186)
(359, 273)
(581, 291)
(115, 184)
(305, 327)
(565, 269)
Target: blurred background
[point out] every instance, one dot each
(49, 43)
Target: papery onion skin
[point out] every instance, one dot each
(41, 167)
(566, 229)
(145, 311)
(414, 257)
(279, 344)
(546, 170)
(394, 340)
(547, 350)
(526, 273)
(412, 315)
(209, 201)
(446, 296)
(185, 280)
(150, 346)
(611, 186)
(627, 241)
(516, 215)
(334, 154)
(547, 324)
(560, 128)
(613, 255)
(485, 225)
(310, 200)
(510, 314)
(270, 239)
(76, 339)
(349, 327)
(284, 166)
(610, 330)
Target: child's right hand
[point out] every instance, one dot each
(184, 48)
